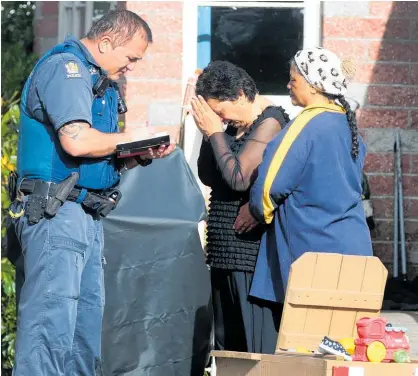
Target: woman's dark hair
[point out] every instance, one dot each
(351, 116)
(352, 123)
(121, 25)
(223, 81)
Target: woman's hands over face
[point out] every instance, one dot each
(205, 118)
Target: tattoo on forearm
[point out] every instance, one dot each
(73, 130)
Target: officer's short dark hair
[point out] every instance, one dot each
(223, 81)
(122, 25)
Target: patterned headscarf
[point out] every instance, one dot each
(324, 70)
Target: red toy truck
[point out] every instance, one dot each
(380, 342)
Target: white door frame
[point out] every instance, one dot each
(312, 35)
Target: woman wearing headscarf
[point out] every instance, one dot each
(309, 183)
(228, 163)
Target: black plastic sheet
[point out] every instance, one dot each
(158, 314)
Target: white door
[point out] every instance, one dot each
(259, 36)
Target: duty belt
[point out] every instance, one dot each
(100, 203)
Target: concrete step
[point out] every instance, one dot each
(408, 319)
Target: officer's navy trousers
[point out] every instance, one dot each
(61, 303)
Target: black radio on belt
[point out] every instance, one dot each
(100, 87)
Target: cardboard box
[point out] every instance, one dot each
(326, 295)
(229, 363)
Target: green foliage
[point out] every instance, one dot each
(9, 124)
(8, 315)
(17, 61)
(14, 71)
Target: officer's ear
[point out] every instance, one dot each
(105, 44)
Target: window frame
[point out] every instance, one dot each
(62, 22)
(312, 34)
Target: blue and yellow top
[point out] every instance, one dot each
(309, 190)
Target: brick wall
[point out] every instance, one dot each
(382, 36)
(153, 91)
(45, 25)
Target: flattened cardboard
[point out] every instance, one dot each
(327, 293)
(230, 363)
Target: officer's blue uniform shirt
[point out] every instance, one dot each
(58, 91)
(48, 102)
(312, 199)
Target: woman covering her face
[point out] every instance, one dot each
(309, 183)
(228, 163)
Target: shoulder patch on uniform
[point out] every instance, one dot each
(73, 69)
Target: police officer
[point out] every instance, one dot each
(67, 172)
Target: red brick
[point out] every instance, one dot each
(413, 80)
(155, 6)
(392, 96)
(158, 65)
(37, 44)
(383, 162)
(414, 119)
(137, 112)
(376, 118)
(384, 251)
(384, 230)
(409, 163)
(394, 9)
(382, 207)
(381, 9)
(165, 65)
(168, 43)
(414, 30)
(413, 164)
(162, 24)
(382, 73)
(381, 184)
(411, 208)
(49, 8)
(412, 270)
(354, 27)
(411, 231)
(147, 91)
(352, 49)
(393, 51)
(379, 162)
(410, 185)
(46, 27)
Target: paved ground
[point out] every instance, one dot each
(409, 320)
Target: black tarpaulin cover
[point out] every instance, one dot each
(158, 315)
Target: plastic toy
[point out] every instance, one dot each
(380, 342)
(348, 344)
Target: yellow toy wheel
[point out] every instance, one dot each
(376, 352)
